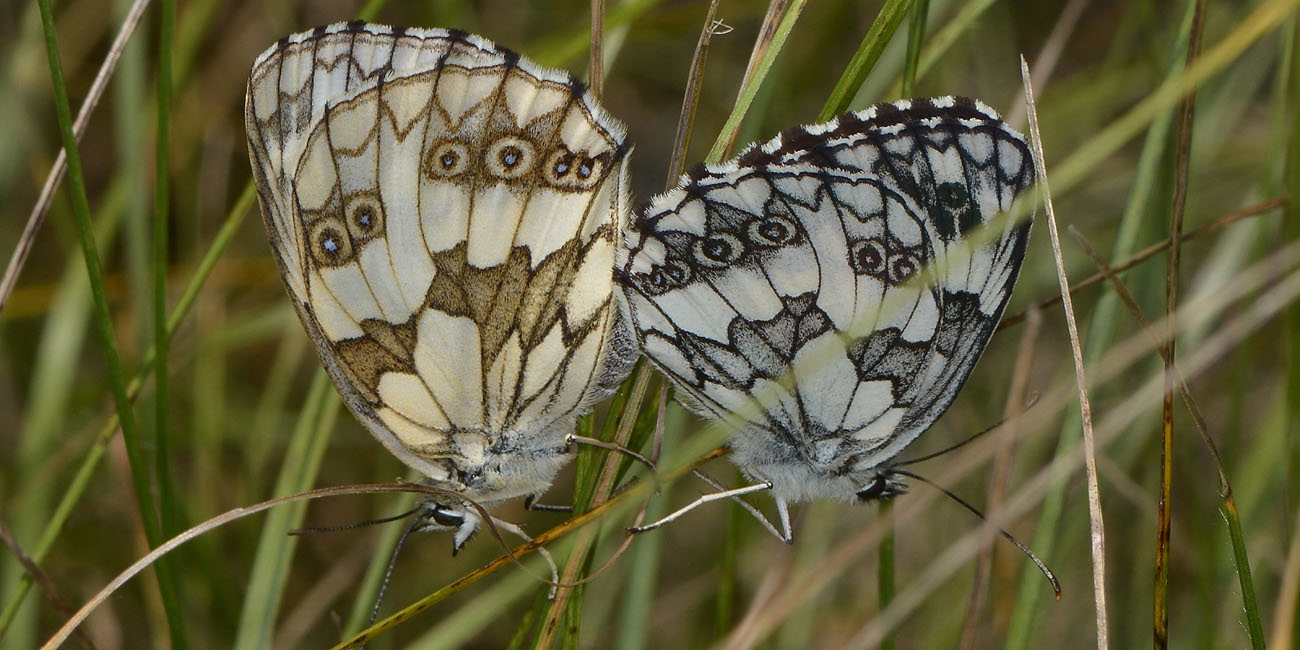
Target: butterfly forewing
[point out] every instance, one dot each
(830, 290)
(445, 214)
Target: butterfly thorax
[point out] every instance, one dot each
(830, 468)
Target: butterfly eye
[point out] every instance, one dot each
(772, 231)
(330, 243)
(365, 217)
(867, 257)
(446, 160)
(445, 515)
(718, 250)
(878, 488)
(510, 157)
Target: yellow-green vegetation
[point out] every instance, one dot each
(180, 271)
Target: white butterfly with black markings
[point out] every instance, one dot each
(828, 292)
(445, 214)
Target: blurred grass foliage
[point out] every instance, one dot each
(247, 416)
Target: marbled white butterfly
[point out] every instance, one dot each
(445, 214)
(828, 292)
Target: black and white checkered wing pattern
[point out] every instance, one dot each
(829, 291)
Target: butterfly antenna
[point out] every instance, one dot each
(416, 522)
(1051, 577)
(359, 524)
(912, 461)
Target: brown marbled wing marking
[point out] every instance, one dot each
(509, 297)
(385, 348)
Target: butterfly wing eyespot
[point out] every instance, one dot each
(329, 241)
(867, 257)
(717, 250)
(559, 167)
(447, 160)
(510, 157)
(902, 266)
(772, 231)
(365, 217)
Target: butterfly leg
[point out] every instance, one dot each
(708, 498)
(519, 532)
(781, 510)
(530, 503)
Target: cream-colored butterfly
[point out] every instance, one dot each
(445, 214)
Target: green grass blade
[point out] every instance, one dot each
(878, 36)
(270, 573)
(727, 135)
(915, 36)
(104, 328)
(168, 506)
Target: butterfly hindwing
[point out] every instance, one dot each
(445, 214)
(830, 290)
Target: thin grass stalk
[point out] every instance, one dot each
(168, 506)
(1274, 277)
(1275, 203)
(724, 602)
(1266, 18)
(47, 585)
(596, 67)
(885, 587)
(39, 211)
(47, 411)
(86, 470)
(272, 561)
(615, 504)
(915, 36)
(878, 36)
(749, 89)
(690, 99)
(943, 38)
(1236, 536)
(1001, 473)
(1097, 526)
(1291, 228)
(599, 492)
(1101, 328)
(639, 595)
(104, 328)
(1288, 597)
(1164, 503)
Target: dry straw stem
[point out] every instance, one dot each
(42, 207)
(691, 98)
(1001, 473)
(1164, 512)
(224, 518)
(1098, 528)
(1174, 375)
(1278, 289)
(639, 489)
(34, 571)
